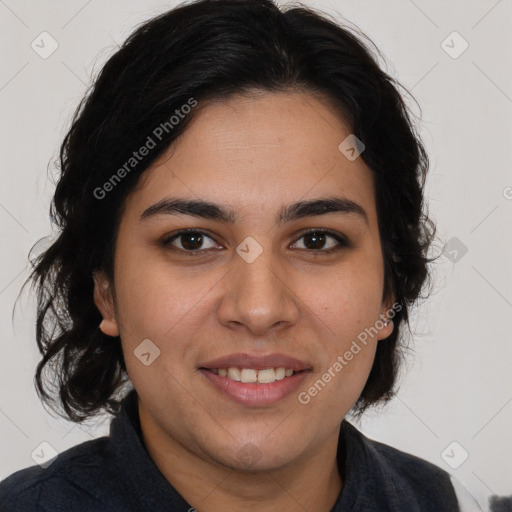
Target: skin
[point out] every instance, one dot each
(255, 155)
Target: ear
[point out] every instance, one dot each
(387, 313)
(103, 298)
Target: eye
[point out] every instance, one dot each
(189, 241)
(317, 239)
(192, 241)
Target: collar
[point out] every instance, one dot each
(147, 485)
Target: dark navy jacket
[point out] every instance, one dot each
(115, 473)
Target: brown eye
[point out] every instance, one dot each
(189, 241)
(322, 241)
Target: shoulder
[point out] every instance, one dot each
(28, 489)
(405, 480)
(412, 470)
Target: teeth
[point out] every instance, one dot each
(266, 376)
(280, 373)
(234, 374)
(249, 375)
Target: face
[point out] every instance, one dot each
(255, 284)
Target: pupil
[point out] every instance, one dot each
(195, 239)
(317, 239)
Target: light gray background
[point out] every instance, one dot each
(457, 386)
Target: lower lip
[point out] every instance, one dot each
(255, 394)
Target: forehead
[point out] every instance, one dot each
(250, 152)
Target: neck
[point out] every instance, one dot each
(311, 483)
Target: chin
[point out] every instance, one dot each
(255, 457)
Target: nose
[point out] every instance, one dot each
(258, 296)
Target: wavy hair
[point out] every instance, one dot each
(213, 49)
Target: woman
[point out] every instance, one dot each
(241, 213)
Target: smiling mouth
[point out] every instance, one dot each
(252, 376)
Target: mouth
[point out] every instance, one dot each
(257, 362)
(254, 376)
(255, 380)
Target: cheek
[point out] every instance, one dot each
(153, 301)
(343, 309)
(346, 301)
(157, 305)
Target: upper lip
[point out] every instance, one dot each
(257, 362)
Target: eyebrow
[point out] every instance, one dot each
(291, 212)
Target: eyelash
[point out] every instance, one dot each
(342, 241)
